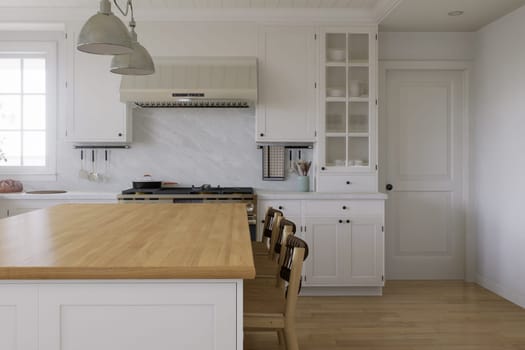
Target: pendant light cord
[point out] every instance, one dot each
(129, 6)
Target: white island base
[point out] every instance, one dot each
(121, 314)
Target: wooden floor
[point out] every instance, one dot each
(411, 315)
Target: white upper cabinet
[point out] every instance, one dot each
(348, 108)
(287, 84)
(95, 113)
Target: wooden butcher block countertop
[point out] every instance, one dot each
(128, 241)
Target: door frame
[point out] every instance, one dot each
(466, 68)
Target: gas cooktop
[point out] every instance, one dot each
(204, 189)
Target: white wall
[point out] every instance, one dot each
(187, 146)
(426, 46)
(498, 156)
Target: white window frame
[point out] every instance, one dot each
(11, 44)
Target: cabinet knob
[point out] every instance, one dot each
(344, 207)
(348, 183)
(340, 221)
(261, 134)
(281, 207)
(389, 187)
(120, 134)
(323, 168)
(347, 221)
(262, 221)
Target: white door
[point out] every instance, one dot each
(423, 122)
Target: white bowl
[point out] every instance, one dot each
(335, 92)
(336, 55)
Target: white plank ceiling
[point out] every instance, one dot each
(159, 4)
(432, 15)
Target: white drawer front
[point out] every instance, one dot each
(287, 206)
(347, 183)
(316, 208)
(344, 208)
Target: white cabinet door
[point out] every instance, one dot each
(347, 141)
(329, 243)
(134, 316)
(287, 90)
(96, 113)
(18, 317)
(366, 253)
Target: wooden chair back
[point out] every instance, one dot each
(269, 219)
(293, 253)
(284, 224)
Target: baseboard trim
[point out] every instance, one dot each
(341, 291)
(503, 291)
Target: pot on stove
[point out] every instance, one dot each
(147, 181)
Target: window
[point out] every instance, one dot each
(28, 94)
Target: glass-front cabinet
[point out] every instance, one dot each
(348, 101)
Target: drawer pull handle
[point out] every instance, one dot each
(340, 221)
(348, 183)
(347, 221)
(281, 207)
(344, 207)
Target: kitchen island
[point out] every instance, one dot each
(124, 276)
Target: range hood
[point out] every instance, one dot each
(194, 82)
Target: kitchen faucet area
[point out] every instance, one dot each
(261, 174)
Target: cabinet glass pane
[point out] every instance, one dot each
(336, 151)
(335, 117)
(358, 82)
(358, 117)
(358, 48)
(335, 48)
(358, 151)
(335, 82)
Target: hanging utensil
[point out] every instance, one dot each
(290, 164)
(106, 174)
(93, 176)
(82, 173)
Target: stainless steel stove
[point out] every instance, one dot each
(196, 194)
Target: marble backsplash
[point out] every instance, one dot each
(186, 146)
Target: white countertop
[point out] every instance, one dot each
(61, 196)
(72, 195)
(318, 195)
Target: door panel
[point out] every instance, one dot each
(424, 163)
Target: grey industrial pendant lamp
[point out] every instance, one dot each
(104, 33)
(139, 62)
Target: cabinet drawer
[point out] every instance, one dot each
(331, 208)
(347, 183)
(287, 206)
(344, 208)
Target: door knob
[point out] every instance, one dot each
(389, 187)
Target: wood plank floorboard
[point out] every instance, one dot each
(411, 315)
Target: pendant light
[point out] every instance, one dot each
(139, 62)
(104, 33)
